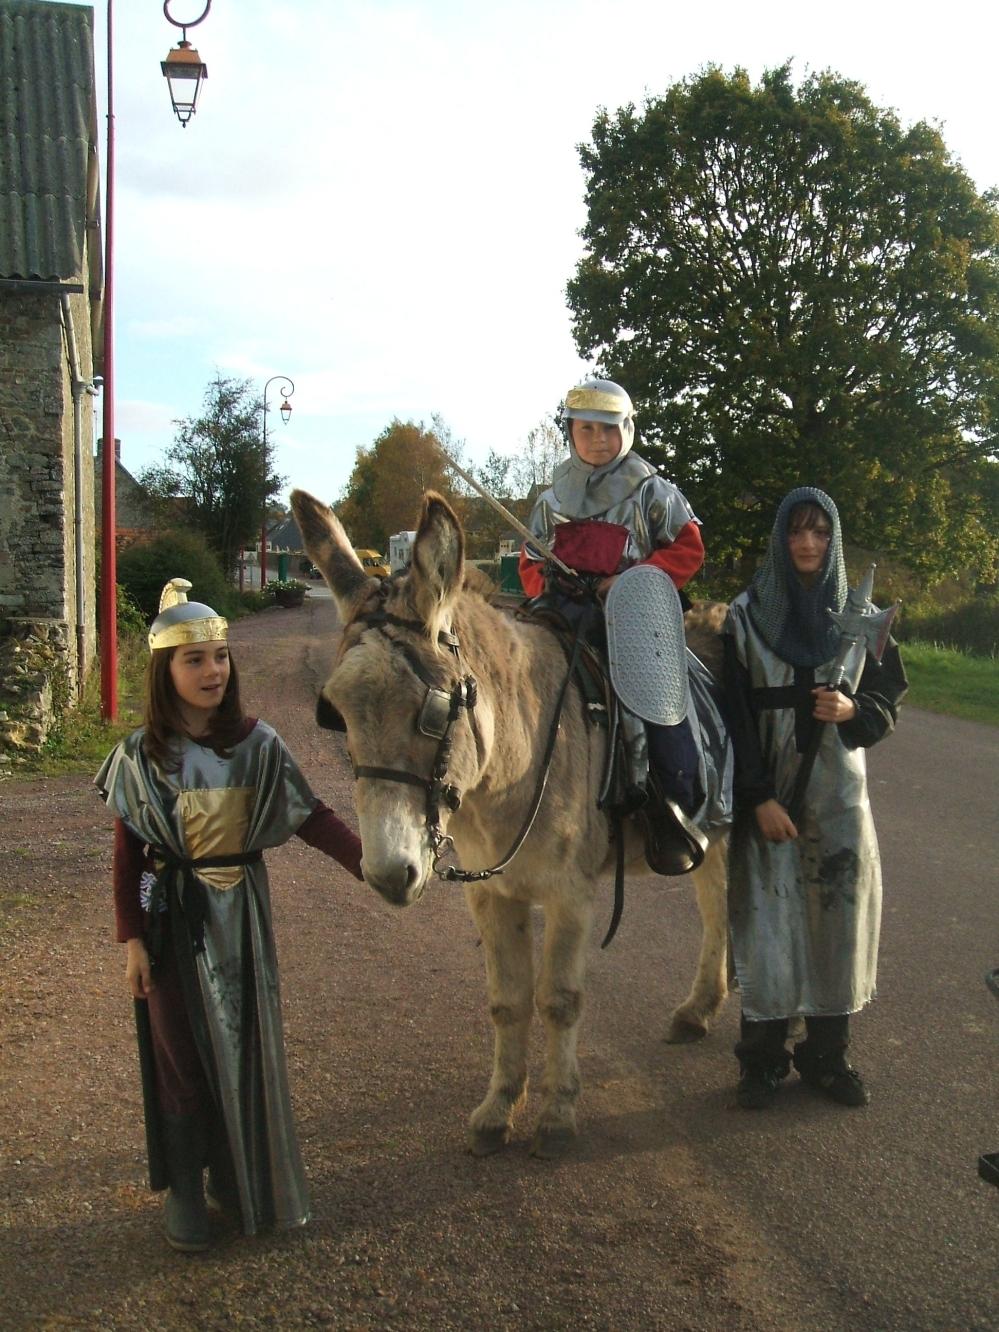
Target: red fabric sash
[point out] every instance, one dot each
(591, 546)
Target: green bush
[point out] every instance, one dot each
(971, 627)
(145, 567)
(130, 618)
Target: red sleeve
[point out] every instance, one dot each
(683, 558)
(531, 577)
(127, 866)
(323, 830)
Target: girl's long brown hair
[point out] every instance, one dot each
(164, 723)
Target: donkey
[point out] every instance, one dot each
(408, 649)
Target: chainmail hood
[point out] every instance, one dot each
(794, 619)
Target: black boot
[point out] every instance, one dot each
(821, 1060)
(673, 844)
(185, 1215)
(763, 1062)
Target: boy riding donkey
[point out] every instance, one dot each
(633, 541)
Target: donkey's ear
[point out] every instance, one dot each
(329, 550)
(438, 558)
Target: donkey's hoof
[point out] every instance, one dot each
(684, 1031)
(488, 1141)
(549, 1144)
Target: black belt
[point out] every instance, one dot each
(192, 896)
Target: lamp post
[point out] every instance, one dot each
(183, 68)
(285, 410)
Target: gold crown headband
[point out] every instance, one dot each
(181, 621)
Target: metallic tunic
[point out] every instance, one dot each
(630, 493)
(211, 806)
(806, 914)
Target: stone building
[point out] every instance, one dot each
(50, 340)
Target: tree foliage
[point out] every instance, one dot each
(795, 289)
(385, 491)
(217, 480)
(145, 566)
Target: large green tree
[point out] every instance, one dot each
(797, 289)
(216, 479)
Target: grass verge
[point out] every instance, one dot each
(945, 680)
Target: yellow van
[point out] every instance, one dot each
(373, 563)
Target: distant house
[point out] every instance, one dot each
(51, 314)
(135, 519)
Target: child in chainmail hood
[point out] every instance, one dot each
(805, 897)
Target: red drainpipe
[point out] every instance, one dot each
(109, 562)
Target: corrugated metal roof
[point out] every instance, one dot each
(48, 131)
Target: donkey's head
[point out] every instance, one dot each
(394, 683)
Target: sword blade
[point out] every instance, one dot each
(514, 522)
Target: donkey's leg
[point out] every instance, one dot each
(560, 1003)
(505, 928)
(690, 1022)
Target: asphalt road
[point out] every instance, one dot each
(871, 1218)
(678, 1211)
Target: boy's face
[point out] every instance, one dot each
(595, 442)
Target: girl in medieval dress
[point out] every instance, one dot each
(805, 898)
(198, 792)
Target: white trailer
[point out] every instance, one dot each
(401, 550)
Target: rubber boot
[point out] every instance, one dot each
(185, 1214)
(821, 1060)
(763, 1061)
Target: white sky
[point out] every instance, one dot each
(381, 198)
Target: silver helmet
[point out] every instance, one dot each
(601, 400)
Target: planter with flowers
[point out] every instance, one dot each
(287, 591)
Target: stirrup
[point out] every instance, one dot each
(673, 844)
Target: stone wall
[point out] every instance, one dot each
(38, 489)
(34, 685)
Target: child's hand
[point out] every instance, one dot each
(138, 971)
(832, 706)
(775, 822)
(605, 585)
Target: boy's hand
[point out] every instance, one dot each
(832, 706)
(605, 585)
(775, 822)
(138, 971)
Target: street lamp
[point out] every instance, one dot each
(184, 67)
(285, 410)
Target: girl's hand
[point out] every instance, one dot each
(775, 822)
(138, 971)
(832, 706)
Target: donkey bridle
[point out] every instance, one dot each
(435, 722)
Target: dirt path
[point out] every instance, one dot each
(388, 1044)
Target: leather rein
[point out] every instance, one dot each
(437, 719)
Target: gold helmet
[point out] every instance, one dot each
(181, 621)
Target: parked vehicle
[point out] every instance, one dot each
(401, 550)
(373, 562)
